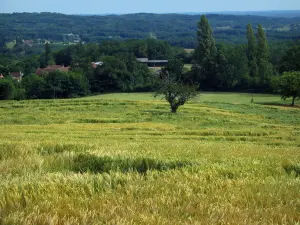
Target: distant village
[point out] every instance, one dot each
(152, 64)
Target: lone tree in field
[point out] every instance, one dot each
(288, 85)
(173, 87)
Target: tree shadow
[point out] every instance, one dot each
(279, 105)
(96, 164)
(159, 112)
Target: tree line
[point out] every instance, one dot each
(212, 70)
(215, 67)
(249, 67)
(177, 29)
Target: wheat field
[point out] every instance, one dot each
(124, 159)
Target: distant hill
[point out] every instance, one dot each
(271, 13)
(177, 29)
(276, 13)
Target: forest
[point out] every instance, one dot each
(177, 29)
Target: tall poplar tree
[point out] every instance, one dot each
(46, 57)
(251, 52)
(206, 43)
(47, 53)
(206, 51)
(263, 57)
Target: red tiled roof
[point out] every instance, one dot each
(96, 64)
(52, 68)
(64, 69)
(29, 42)
(15, 74)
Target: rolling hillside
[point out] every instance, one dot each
(177, 29)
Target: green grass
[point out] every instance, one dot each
(10, 45)
(188, 66)
(124, 159)
(223, 97)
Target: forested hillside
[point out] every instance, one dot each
(270, 13)
(177, 29)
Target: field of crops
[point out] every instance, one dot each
(124, 159)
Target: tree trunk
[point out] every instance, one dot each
(293, 102)
(174, 108)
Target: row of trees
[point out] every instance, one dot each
(120, 70)
(242, 67)
(223, 67)
(53, 85)
(212, 70)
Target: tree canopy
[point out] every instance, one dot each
(288, 85)
(173, 87)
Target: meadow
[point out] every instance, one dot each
(125, 159)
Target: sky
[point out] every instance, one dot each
(136, 6)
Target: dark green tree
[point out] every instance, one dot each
(65, 56)
(238, 66)
(205, 53)
(288, 85)
(4, 70)
(6, 89)
(291, 60)
(111, 76)
(141, 78)
(206, 48)
(30, 65)
(172, 86)
(19, 94)
(57, 84)
(19, 41)
(263, 58)
(35, 86)
(48, 53)
(46, 58)
(2, 41)
(157, 49)
(252, 52)
(224, 77)
(79, 85)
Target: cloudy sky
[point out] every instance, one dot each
(135, 6)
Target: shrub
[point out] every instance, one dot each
(6, 89)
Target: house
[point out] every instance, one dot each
(142, 60)
(1, 76)
(17, 75)
(153, 63)
(52, 68)
(28, 42)
(96, 64)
